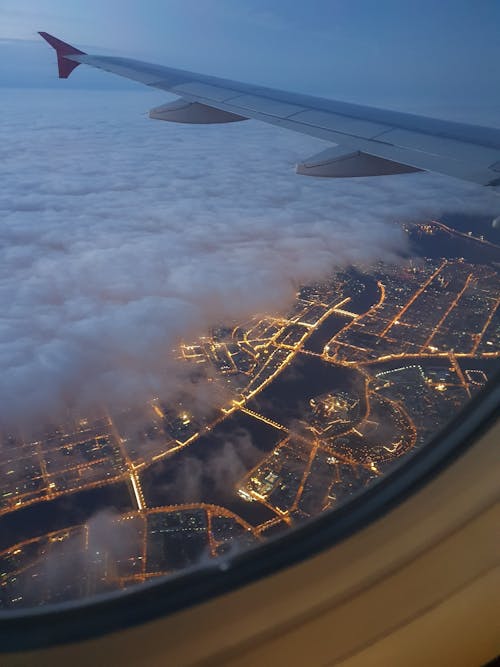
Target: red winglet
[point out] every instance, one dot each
(62, 49)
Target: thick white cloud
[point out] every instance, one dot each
(120, 234)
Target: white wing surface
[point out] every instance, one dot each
(369, 141)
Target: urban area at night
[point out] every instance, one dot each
(289, 415)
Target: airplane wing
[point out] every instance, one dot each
(369, 141)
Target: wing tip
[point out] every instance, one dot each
(62, 49)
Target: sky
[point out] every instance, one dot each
(121, 235)
(409, 54)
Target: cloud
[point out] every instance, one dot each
(86, 560)
(231, 456)
(120, 235)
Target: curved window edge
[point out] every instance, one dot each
(100, 615)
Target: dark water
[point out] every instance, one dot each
(442, 244)
(477, 224)
(287, 399)
(363, 292)
(331, 326)
(208, 470)
(61, 513)
(362, 300)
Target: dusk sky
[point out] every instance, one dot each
(425, 54)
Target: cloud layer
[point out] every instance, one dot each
(120, 235)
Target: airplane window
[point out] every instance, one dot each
(202, 350)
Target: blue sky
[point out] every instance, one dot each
(411, 54)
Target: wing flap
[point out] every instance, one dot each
(336, 163)
(182, 111)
